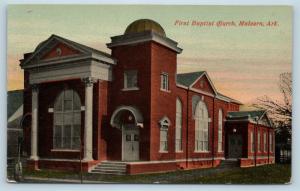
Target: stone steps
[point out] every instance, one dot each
(110, 167)
(229, 164)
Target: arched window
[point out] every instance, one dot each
(201, 127)
(178, 132)
(220, 131)
(67, 121)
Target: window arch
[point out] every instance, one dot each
(67, 120)
(220, 131)
(201, 127)
(178, 131)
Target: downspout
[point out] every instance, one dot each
(187, 127)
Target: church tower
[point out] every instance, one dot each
(145, 78)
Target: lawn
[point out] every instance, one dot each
(275, 174)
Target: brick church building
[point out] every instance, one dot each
(130, 111)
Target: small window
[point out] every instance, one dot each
(164, 80)
(130, 79)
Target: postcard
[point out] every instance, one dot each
(170, 94)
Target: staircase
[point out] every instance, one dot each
(229, 163)
(110, 167)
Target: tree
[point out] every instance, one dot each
(280, 112)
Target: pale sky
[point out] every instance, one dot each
(243, 62)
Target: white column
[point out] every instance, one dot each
(88, 121)
(34, 122)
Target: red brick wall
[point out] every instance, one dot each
(137, 57)
(162, 103)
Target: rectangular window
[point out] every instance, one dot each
(163, 139)
(252, 141)
(164, 81)
(258, 141)
(130, 79)
(265, 142)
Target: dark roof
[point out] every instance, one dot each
(231, 99)
(187, 79)
(14, 101)
(252, 114)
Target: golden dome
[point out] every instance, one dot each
(143, 25)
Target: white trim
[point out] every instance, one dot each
(135, 112)
(182, 86)
(204, 152)
(160, 151)
(68, 160)
(143, 37)
(201, 92)
(130, 89)
(73, 70)
(209, 80)
(163, 90)
(259, 157)
(176, 160)
(65, 150)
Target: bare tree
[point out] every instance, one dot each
(280, 111)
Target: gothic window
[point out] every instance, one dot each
(67, 121)
(201, 127)
(220, 131)
(178, 131)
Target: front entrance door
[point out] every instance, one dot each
(130, 143)
(235, 144)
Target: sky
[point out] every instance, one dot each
(243, 62)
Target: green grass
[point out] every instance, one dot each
(275, 174)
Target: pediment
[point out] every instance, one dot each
(60, 50)
(265, 121)
(204, 84)
(53, 48)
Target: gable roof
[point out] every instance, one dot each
(70, 43)
(252, 114)
(187, 79)
(222, 96)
